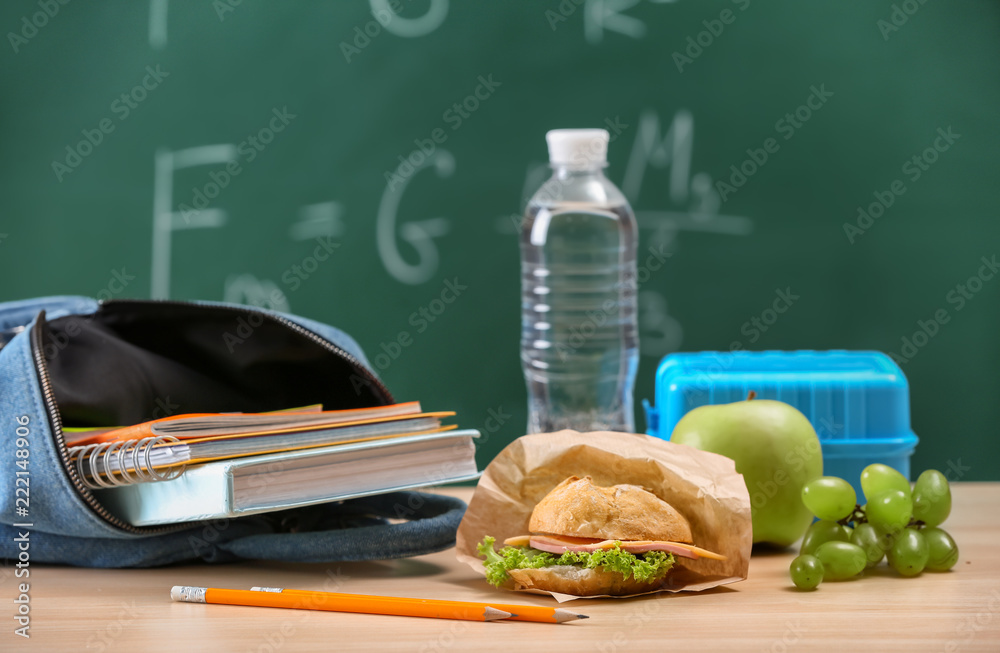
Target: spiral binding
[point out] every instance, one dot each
(122, 462)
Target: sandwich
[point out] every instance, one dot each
(589, 540)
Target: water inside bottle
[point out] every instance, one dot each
(579, 345)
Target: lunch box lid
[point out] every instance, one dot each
(852, 398)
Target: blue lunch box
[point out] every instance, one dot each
(858, 401)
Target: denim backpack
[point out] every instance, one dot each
(79, 361)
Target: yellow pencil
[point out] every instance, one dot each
(337, 603)
(518, 612)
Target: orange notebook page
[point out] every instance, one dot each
(299, 429)
(84, 435)
(195, 461)
(145, 429)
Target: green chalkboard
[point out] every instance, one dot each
(365, 163)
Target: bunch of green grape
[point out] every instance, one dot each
(897, 523)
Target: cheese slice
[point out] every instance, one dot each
(553, 543)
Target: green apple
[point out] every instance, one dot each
(774, 447)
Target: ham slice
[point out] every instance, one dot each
(559, 544)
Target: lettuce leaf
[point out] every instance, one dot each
(646, 567)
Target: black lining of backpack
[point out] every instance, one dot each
(131, 362)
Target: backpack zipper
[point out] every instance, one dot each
(55, 420)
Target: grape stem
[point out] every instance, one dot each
(857, 515)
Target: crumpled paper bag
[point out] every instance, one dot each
(704, 487)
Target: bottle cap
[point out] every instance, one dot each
(578, 148)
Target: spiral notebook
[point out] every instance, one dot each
(162, 457)
(256, 484)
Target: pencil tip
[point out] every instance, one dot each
(492, 614)
(562, 616)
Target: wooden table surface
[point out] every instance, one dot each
(130, 610)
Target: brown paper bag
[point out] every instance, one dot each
(704, 487)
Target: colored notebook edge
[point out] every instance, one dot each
(139, 504)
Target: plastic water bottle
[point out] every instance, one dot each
(579, 336)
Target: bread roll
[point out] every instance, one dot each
(578, 508)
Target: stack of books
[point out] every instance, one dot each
(209, 465)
